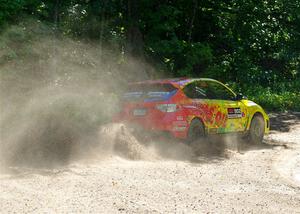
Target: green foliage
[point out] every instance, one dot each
(281, 97)
(9, 9)
(247, 42)
(273, 101)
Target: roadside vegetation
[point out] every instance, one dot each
(253, 46)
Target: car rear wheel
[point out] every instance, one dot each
(196, 131)
(257, 130)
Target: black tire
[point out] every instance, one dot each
(257, 130)
(196, 131)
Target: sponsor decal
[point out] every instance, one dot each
(139, 112)
(179, 117)
(213, 131)
(189, 106)
(234, 113)
(179, 128)
(180, 123)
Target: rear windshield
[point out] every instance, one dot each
(149, 92)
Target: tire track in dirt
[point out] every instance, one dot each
(156, 178)
(286, 131)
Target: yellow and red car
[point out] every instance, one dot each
(192, 108)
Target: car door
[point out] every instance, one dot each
(234, 110)
(201, 106)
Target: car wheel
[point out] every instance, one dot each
(257, 130)
(196, 131)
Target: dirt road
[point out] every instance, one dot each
(261, 179)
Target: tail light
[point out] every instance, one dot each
(167, 107)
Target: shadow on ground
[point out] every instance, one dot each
(209, 151)
(128, 147)
(205, 152)
(283, 122)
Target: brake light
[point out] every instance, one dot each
(167, 107)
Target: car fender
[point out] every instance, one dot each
(253, 109)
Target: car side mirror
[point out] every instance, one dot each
(240, 96)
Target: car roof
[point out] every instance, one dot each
(178, 82)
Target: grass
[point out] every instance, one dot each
(275, 100)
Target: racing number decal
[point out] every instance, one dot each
(234, 113)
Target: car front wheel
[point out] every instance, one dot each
(257, 130)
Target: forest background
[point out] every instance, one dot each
(251, 45)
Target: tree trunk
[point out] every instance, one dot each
(195, 6)
(56, 13)
(135, 43)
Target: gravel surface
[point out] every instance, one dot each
(261, 179)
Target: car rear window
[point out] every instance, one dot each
(149, 92)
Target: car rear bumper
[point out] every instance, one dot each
(173, 123)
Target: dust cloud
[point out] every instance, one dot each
(58, 96)
(55, 95)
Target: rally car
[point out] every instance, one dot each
(192, 108)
